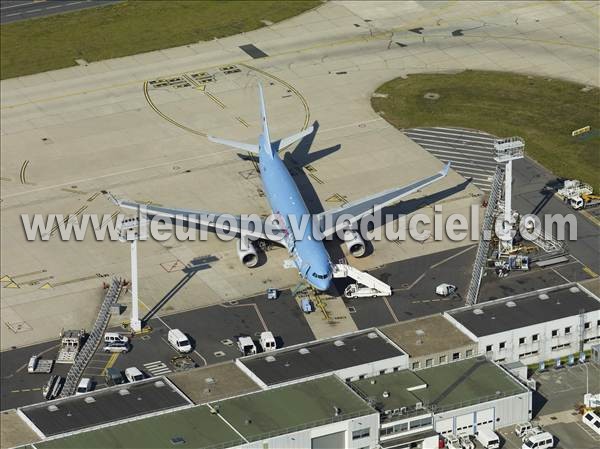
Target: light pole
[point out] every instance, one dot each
(132, 230)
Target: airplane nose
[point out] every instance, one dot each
(324, 284)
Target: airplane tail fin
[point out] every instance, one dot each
(263, 115)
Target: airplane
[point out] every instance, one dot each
(308, 255)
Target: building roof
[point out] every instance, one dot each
(214, 382)
(108, 405)
(254, 416)
(197, 426)
(525, 310)
(293, 407)
(427, 335)
(320, 357)
(442, 387)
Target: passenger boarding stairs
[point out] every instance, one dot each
(366, 286)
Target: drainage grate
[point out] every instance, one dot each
(202, 77)
(229, 69)
(253, 51)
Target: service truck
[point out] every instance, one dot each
(38, 365)
(246, 346)
(267, 341)
(488, 438)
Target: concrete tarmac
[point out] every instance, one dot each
(68, 134)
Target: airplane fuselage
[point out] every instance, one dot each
(309, 255)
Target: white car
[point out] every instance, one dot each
(85, 385)
(452, 442)
(465, 442)
(133, 374)
(445, 289)
(116, 347)
(522, 429)
(272, 293)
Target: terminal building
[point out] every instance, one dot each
(351, 357)
(431, 341)
(354, 391)
(455, 398)
(546, 325)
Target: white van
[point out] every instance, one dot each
(542, 440)
(85, 385)
(267, 341)
(592, 420)
(488, 438)
(133, 374)
(115, 337)
(179, 341)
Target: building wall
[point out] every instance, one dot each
(441, 358)
(302, 439)
(520, 344)
(374, 369)
(546, 347)
(398, 428)
(507, 411)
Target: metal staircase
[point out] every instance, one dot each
(366, 286)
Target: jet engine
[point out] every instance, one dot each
(247, 252)
(354, 243)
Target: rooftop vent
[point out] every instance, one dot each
(270, 359)
(52, 408)
(339, 343)
(419, 405)
(478, 312)
(373, 381)
(177, 440)
(159, 384)
(336, 410)
(419, 342)
(248, 421)
(303, 351)
(574, 289)
(124, 392)
(420, 332)
(543, 296)
(372, 335)
(209, 380)
(386, 394)
(511, 304)
(89, 400)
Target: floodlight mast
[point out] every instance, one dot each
(132, 230)
(508, 150)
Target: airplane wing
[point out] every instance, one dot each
(358, 209)
(211, 220)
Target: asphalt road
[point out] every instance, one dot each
(16, 10)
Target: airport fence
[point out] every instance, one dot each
(486, 233)
(94, 338)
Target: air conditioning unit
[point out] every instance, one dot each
(402, 410)
(419, 405)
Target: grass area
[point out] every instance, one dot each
(543, 111)
(128, 28)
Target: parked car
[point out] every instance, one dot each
(113, 376)
(179, 341)
(522, 429)
(116, 347)
(85, 385)
(133, 374)
(272, 293)
(306, 305)
(465, 442)
(445, 289)
(115, 337)
(452, 442)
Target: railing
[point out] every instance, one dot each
(90, 346)
(484, 241)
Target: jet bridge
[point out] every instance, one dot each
(366, 285)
